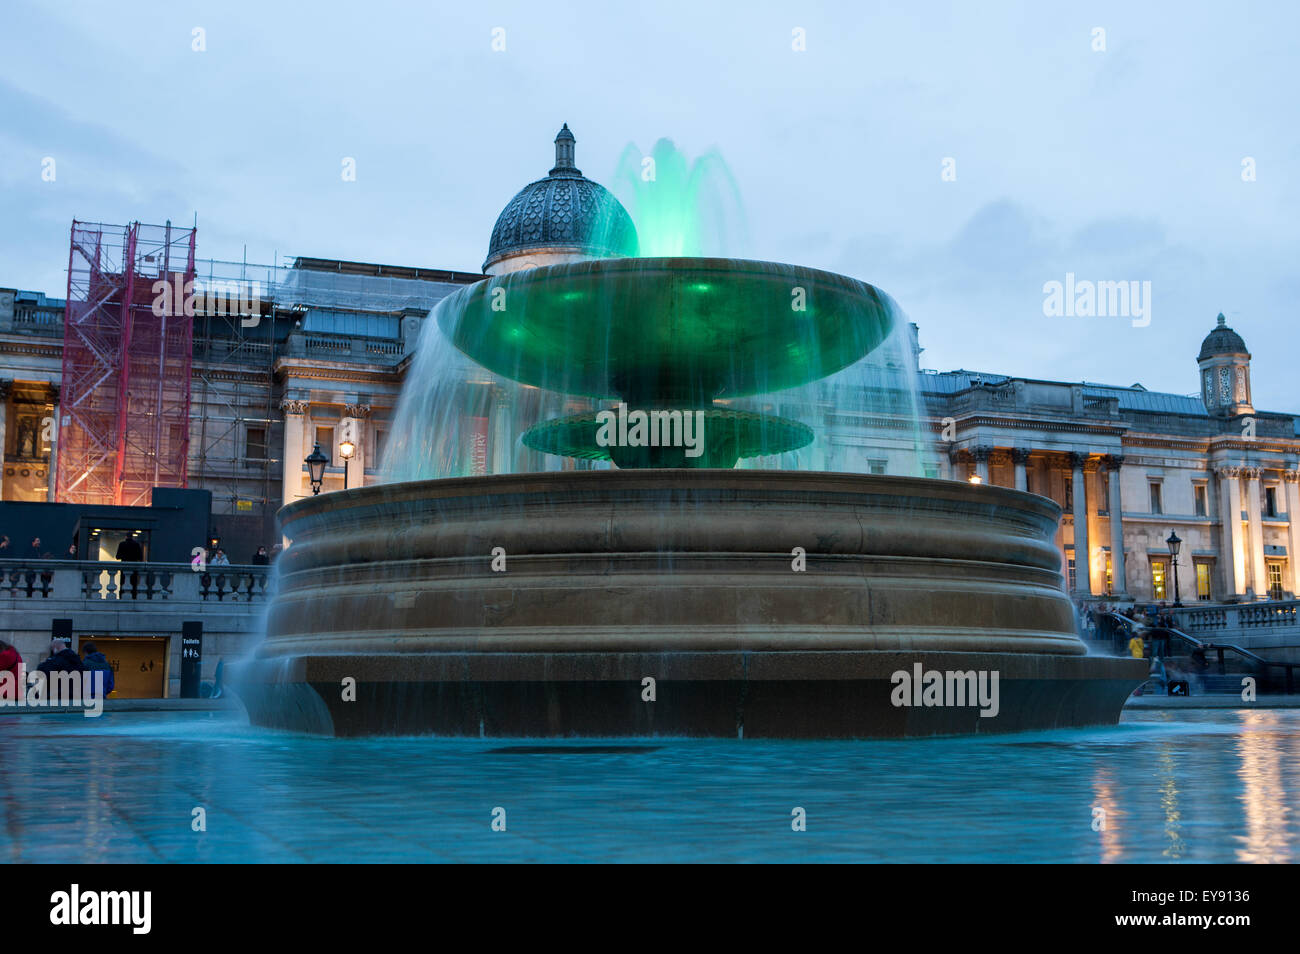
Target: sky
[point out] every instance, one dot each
(958, 155)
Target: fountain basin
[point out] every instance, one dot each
(684, 577)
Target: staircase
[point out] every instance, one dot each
(1208, 668)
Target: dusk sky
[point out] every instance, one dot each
(1117, 164)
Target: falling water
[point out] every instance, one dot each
(561, 349)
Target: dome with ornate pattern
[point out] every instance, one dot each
(564, 214)
(1222, 340)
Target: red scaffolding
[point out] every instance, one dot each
(127, 353)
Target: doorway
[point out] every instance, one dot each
(139, 664)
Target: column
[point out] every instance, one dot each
(1233, 546)
(360, 414)
(1292, 485)
(1082, 552)
(294, 455)
(981, 455)
(52, 467)
(1258, 571)
(1020, 458)
(1117, 571)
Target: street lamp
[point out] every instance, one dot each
(346, 450)
(316, 462)
(1174, 546)
(975, 479)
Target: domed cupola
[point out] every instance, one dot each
(1225, 372)
(563, 218)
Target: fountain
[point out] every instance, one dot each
(651, 586)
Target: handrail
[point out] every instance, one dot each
(1165, 632)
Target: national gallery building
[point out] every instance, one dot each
(318, 352)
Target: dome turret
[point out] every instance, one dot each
(563, 218)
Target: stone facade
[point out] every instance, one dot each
(1128, 465)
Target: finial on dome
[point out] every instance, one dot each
(564, 153)
(1222, 321)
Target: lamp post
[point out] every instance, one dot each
(346, 450)
(1174, 546)
(316, 462)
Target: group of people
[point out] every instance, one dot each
(62, 658)
(35, 550)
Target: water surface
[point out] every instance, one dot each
(1175, 787)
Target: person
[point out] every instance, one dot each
(62, 658)
(221, 559)
(72, 550)
(260, 558)
(1158, 674)
(95, 661)
(4, 548)
(10, 662)
(34, 551)
(1136, 648)
(129, 550)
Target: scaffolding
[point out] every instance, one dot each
(127, 353)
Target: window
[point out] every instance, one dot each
(1110, 579)
(1270, 501)
(332, 321)
(875, 466)
(1070, 574)
(1198, 493)
(1069, 493)
(1202, 580)
(381, 443)
(1158, 579)
(1155, 497)
(1103, 492)
(255, 443)
(1275, 581)
(932, 470)
(325, 438)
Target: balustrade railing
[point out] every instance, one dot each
(93, 580)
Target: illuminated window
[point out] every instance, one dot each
(1275, 581)
(1158, 579)
(1069, 571)
(1110, 580)
(1202, 581)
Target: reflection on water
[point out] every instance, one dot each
(1191, 786)
(1263, 794)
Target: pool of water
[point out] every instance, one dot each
(1193, 786)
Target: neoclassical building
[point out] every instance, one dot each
(1131, 466)
(334, 341)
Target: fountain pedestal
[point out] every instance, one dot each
(687, 578)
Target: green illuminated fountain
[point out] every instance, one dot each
(668, 334)
(654, 586)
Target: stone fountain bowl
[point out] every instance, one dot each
(756, 603)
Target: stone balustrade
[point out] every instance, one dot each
(92, 580)
(1271, 624)
(106, 599)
